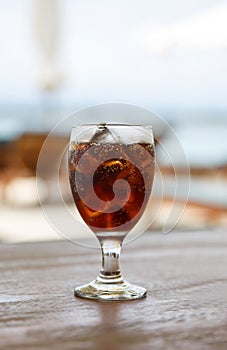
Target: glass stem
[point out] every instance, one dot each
(110, 270)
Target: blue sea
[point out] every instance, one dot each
(202, 133)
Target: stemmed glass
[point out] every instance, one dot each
(111, 170)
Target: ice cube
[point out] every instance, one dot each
(103, 134)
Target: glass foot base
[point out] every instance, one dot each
(110, 291)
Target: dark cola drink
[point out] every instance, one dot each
(111, 183)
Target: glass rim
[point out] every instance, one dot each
(111, 124)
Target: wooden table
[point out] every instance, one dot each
(186, 306)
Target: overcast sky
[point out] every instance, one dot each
(168, 53)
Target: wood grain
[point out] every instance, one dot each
(186, 307)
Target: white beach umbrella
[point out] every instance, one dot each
(46, 28)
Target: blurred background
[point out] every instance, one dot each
(59, 56)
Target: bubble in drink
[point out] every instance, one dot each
(111, 183)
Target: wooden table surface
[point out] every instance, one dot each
(186, 306)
